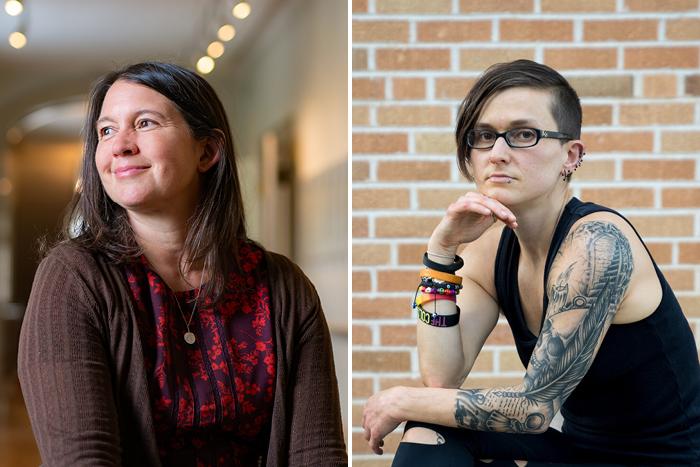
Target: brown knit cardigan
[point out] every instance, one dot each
(83, 379)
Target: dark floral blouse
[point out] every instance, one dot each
(211, 400)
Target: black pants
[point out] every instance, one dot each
(464, 448)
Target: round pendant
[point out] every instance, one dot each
(189, 337)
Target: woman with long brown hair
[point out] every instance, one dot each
(157, 333)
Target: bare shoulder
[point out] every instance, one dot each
(480, 257)
(606, 232)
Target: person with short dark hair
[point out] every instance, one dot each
(157, 333)
(597, 327)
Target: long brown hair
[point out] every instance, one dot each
(218, 223)
(565, 105)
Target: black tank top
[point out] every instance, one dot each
(640, 400)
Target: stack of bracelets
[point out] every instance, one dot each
(438, 282)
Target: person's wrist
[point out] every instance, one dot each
(440, 253)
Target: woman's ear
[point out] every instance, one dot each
(212, 151)
(574, 155)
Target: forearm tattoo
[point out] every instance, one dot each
(593, 269)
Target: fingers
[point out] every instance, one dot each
(486, 206)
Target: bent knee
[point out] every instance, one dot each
(422, 435)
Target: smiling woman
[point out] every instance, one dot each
(157, 333)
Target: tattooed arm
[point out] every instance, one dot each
(586, 284)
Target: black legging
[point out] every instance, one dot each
(464, 448)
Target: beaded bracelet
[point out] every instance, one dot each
(433, 283)
(443, 276)
(438, 291)
(436, 320)
(457, 263)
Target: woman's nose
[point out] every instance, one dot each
(124, 144)
(500, 152)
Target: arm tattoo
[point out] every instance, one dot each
(594, 266)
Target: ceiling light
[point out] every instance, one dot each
(13, 7)
(241, 10)
(226, 32)
(17, 40)
(205, 65)
(215, 49)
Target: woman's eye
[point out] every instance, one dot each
(144, 123)
(106, 131)
(525, 134)
(486, 136)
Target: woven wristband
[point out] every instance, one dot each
(457, 264)
(425, 298)
(435, 320)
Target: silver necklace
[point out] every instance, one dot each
(189, 335)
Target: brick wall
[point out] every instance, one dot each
(635, 64)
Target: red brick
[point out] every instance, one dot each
(661, 5)
(692, 85)
(597, 114)
(408, 226)
(418, 171)
(359, 6)
(380, 143)
(380, 198)
(370, 254)
(398, 335)
(408, 88)
(577, 6)
(431, 198)
(359, 226)
(359, 59)
(658, 170)
(680, 141)
(480, 59)
(414, 6)
(581, 58)
(625, 30)
(361, 281)
(389, 362)
(620, 197)
(680, 279)
(368, 88)
(689, 252)
(411, 253)
(639, 141)
(690, 306)
(360, 115)
(379, 31)
(649, 114)
(659, 86)
(661, 252)
(413, 59)
(595, 170)
(536, 30)
(663, 226)
(453, 31)
(414, 115)
(680, 197)
(683, 29)
(386, 383)
(361, 335)
(496, 6)
(453, 88)
(360, 171)
(602, 86)
(435, 143)
(390, 308)
(480, 382)
(361, 388)
(397, 281)
(661, 57)
(510, 361)
(374, 461)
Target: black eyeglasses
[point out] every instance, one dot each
(515, 137)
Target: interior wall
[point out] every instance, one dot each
(297, 71)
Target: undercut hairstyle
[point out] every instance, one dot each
(565, 104)
(216, 227)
